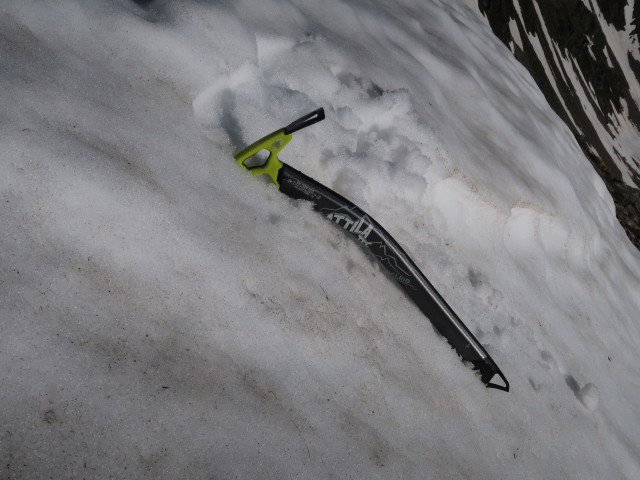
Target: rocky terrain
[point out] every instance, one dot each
(584, 56)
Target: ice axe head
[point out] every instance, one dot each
(262, 156)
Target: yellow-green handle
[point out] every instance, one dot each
(273, 143)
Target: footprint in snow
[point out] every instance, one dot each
(484, 290)
(588, 394)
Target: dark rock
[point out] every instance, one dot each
(571, 30)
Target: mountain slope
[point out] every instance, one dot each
(585, 57)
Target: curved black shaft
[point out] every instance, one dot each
(369, 232)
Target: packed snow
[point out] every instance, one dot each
(164, 314)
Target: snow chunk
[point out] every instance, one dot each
(589, 396)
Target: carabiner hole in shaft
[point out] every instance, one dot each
(258, 159)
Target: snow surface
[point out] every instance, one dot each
(166, 315)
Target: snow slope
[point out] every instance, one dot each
(166, 315)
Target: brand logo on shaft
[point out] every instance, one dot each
(305, 189)
(360, 227)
